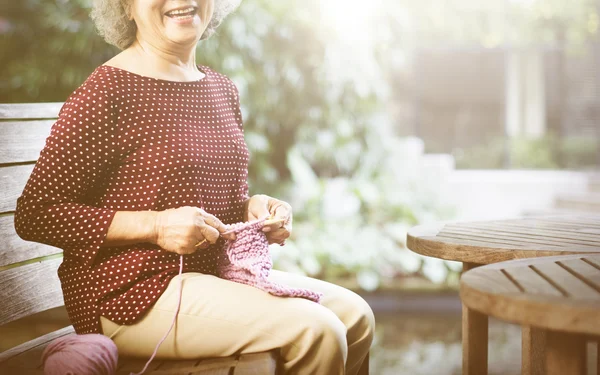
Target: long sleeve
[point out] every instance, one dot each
(242, 193)
(59, 203)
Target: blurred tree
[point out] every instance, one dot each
(48, 49)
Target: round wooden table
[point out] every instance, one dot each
(486, 242)
(560, 296)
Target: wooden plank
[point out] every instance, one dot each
(13, 249)
(215, 366)
(531, 231)
(578, 278)
(563, 230)
(584, 270)
(22, 141)
(12, 182)
(256, 364)
(565, 354)
(540, 223)
(530, 281)
(558, 222)
(35, 345)
(127, 366)
(531, 236)
(176, 365)
(211, 366)
(480, 239)
(494, 281)
(30, 110)
(26, 358)
(592, 262)
(533, 351)
(29, 289)
(476, 245)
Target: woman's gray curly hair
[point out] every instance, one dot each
(113, 23)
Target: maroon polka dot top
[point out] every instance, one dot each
(129, 142)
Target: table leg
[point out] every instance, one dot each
(533, 345)
(565, 354)
(590, 357)
(474, 338)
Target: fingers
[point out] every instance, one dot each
(203, 244)
(258, 207)
(281, 214)
(281, 228)
(210, 222)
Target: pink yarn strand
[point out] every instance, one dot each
(172, 323)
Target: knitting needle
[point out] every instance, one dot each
(273, 221)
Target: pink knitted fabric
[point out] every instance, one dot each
(248, 262)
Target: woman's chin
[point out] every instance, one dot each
(183, 38)
(183, 31)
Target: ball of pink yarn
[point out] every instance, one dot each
(91, 354)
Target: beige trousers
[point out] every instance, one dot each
(221, 318)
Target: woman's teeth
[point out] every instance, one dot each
(181, 13)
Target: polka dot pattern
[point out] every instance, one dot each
(126, 142)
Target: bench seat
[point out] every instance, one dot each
(25, 359)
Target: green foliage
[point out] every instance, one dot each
(534, 153)
(548, 152)
(48, 49)
(578, 152)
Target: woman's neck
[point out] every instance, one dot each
(183, 58)
(148, 60)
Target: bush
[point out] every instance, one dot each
(548, 152)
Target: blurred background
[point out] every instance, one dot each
(370, 117)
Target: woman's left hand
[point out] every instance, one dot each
(262, 206)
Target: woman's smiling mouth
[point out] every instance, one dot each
(182, 13)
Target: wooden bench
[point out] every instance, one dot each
(560, 296)
(28, 271)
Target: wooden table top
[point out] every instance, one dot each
(486, 242)
(559, 293)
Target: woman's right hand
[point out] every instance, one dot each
(187, 229)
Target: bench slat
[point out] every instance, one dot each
(22, 141)
(255, 364)
(133, 365)
(28, 356)
(29, 289)
(13, 249)
(214, 366)
(29, 110)
(25, 359)
(12, 183)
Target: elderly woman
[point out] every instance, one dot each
(147, 162)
